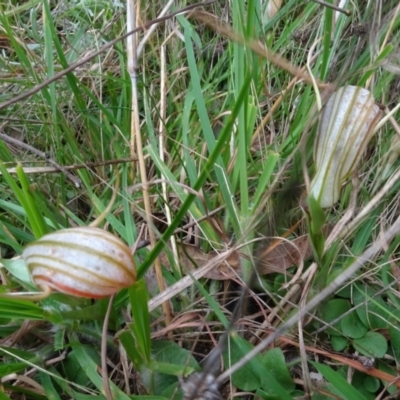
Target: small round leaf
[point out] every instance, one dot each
(332, 310)
(339, 343)
(352, 326)
(373, 344)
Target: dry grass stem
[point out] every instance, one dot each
(255, 46)
(188, 280)
(162, 138)
(136, 138)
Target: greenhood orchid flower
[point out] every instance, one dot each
(346, 125)
(85, 262)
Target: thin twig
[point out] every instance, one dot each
(188, 280)
(136, 139)
(105, 212)
(162, 142)
(46, 170)
(374, 202)
(302, 347)
(333, 7)
(76, 181)
(153, 28)
(255, 45)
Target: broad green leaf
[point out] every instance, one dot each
(338, 382)
(19, 269)
(358, 382)
(170, 369)
(330, 311)
(129, 342)
(20, 309)
(394, 334)
(352, 326)
(383, 366)
(148, 398)
(90, 368)
(173, 391)
(339, 343)
(253, 374)
(93, 312)
(274, 361)
(372, 384)
(246, 378)
(170, 352)
(266, 396)
(168, 361)
(73, 371)
(373, 344)
(375, 312)
(141, 325)
(317, 215)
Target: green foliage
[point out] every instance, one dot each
(169, 361)
(394, 333)
(330, 311)
(237, 139)
(372, 344)
(268, 373)
(316, 220)
(274, 362)
(141, 326)
(352, 326)
(19, 309)
(27, 200)
(339, 384)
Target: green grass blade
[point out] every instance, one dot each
(221, 143)
(219, 168)
(138, 296)
(338, 382)
(26, 200)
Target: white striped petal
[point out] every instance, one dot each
(345, 128)
(84, 261)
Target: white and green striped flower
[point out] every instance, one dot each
(84, 261)
(346, 125)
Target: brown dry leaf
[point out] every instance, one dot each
(191, 258)
(285, 255)
(276, 257)
(279, 259)
(4, 43)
